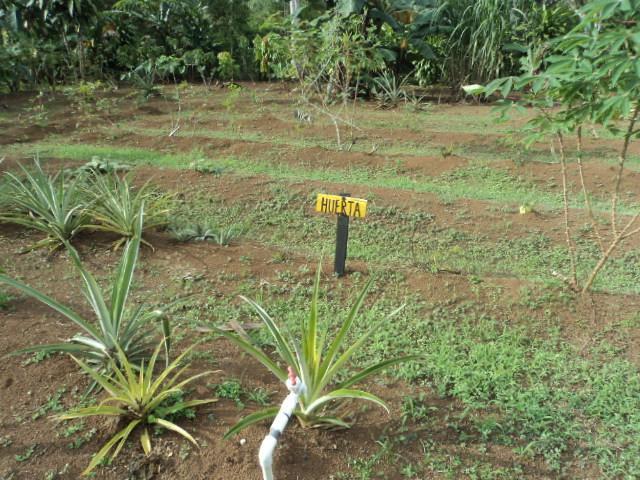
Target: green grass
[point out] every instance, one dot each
(476, 182)
(393, 236)
(388, 234)
(127, 155)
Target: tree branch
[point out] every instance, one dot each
(587, 201)
(621, 161)
(565, 201)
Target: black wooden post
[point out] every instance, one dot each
(342, 236)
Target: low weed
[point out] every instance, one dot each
(231, 390)
(57, 474)
(5, 300)
(53, 404)
(415, 409)
(27, 455)
(103, 166)
(208, 167)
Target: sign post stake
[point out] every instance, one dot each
(343, 206)
(342, 237)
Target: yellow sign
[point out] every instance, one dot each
(352, 207)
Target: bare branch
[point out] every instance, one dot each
(565, 202)
(614, 244)
(587, 201)
(621, 161)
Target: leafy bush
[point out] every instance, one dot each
(83, 96)
(53, 205)
(116, 206)
(318, 367)
(137, 397)
(118, 327)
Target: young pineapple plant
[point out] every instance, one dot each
(316, 361)
(53, 205)
(115, 326)
(139, 397)
(389, 91)
(115, 206)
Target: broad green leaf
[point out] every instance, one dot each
(473, 89)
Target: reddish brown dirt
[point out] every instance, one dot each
(312, 157)
(599, 178)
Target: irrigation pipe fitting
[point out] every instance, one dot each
(265, 455)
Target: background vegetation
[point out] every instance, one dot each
(49, 42)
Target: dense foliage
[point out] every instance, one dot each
(48, 42)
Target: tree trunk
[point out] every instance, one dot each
(294, 5)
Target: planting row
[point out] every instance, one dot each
(94, 197)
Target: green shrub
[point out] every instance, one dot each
(227, 66)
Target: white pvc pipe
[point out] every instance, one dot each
(265, 455)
